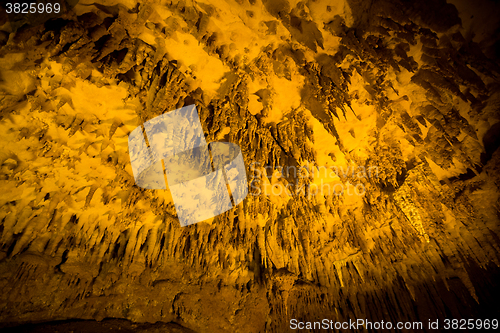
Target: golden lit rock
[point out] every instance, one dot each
(369, 130)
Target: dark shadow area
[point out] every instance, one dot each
(93, 326)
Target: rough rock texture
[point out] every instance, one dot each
(408, 88)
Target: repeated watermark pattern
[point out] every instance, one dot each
(310, 181)
(204, 180)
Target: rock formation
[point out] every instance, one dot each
(394, 103)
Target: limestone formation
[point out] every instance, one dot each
(394, 102)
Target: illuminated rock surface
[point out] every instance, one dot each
(409, 89)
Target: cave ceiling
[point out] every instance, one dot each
(369, 132)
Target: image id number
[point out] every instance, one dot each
(33, 8)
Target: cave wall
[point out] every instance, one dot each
(408, 88)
